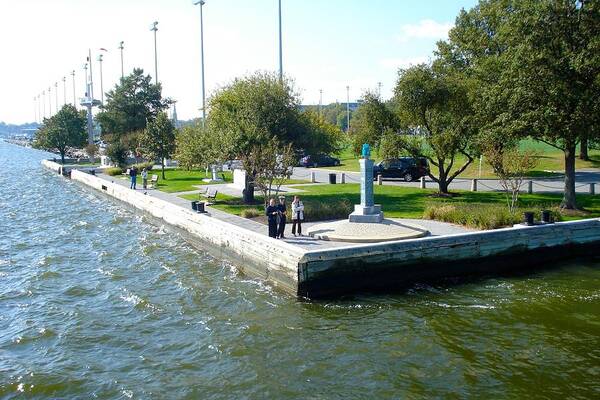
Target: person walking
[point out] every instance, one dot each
(297, 215)
(144, 178)
(282, 208)
(272, 214)
(133, 175)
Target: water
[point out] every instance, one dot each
(99, 302)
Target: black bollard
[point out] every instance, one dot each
(547, 217)
(332, 179)
(200, 207)
(528, 218)
(195, 205)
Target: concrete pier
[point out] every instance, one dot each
(331, 271)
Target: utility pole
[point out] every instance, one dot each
(320, 101)
(347, 108)
(280, 48)
(101, 80)
(201, 3)
(74, 98)
(121, 48)
(154, 29)
(64, 79)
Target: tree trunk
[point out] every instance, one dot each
(569, 200)
(62, 157)
(443, 179)
(162, 164)
(248, 193)
(583, 148)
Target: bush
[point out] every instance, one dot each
(113, 171)
(324, 211)
(117, 152)
(481, 216)
(140, 166)
(251, 213)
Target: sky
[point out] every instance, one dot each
(327, 45)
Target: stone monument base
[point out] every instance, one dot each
(358, 232)
(363, 214)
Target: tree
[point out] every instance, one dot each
(249, 112)
(323, 137)
(537, 64)
(157, 141)
(435, 110)
(91, 150)
(371, 120)
(63, 130)
(130, 105)
(117, 152)
(194, 147)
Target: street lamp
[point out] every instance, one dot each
(347, 108)
(101, 80)
(49, 100)
(280, 47)
(201, 3)
(154, 29)
(64, 79)
(74, 99)
(44, 102)
(56, 94)
(121, 48)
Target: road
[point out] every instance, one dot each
(540, 185)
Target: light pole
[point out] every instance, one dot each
(50, 100)
(320, 101)
(347, 108)
(379, 89)
(56, 94)
(280, 47)
(154, 29)
(64, 79)
(44, 102)
(201, 3)
(74, 100)
(121, 48)
(101, 81)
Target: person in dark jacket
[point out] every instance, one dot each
(272, 214)
(281, 207)
(133, 174)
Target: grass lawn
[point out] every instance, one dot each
(404, 202)
(550, 159)
(181, 180)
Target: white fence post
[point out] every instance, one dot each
(379, 180)
(474, 185)
(530, 187)
(592, 188)
(423, 184)
(312, 177)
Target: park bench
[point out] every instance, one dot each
(126, 173)
(209, 194)
(154, 181)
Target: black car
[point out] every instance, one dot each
(407, 168)
(319, 160)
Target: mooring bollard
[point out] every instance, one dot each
(530, 187)
(312, 177)
(379, 180)
(423, 184)
(528, 218)
(474, 185)
(592, 188)
(547, 217)
(343, 178)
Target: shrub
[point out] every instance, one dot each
(113, 171)
(117, 153)
(481, 216)
(140, 166)
(323, 211)
(251, 213)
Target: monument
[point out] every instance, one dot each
(367, 210)
(366, 224)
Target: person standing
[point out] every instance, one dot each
(133, 175)
(281, 207)
(144, 178)
(272, 213)
(297, 215)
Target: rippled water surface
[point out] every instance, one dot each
(99, 302)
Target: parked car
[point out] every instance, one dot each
(407, 168)
(318, 160)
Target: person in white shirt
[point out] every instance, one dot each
(297, 215)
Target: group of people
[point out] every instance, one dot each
(276, 215)
(133, 172)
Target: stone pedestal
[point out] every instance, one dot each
(366, 211)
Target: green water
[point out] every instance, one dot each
(98, 302)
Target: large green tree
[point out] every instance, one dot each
(434, 106)
(537, 64)
(194, 147)
(63, 130)
(371, 121)
(129, 106)
(157, 141)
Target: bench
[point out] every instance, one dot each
(154, 181)
(126, 173)
(209, 194)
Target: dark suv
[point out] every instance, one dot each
(408, 168)
(318, 160)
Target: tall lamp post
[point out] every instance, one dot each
(121, 48)
(154, 29)
(201, 3)
(44, 102)
(64, 79)
(101, 80)
(347, 108)
(280, 47)
(56, 94)
(74, 99)
(50, 100)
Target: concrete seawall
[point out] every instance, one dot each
(332, 271)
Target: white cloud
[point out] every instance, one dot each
(424, 29)
(395, 63)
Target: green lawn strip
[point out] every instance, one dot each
(403, 202)
(180, 180)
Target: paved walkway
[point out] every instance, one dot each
(436, 228)
(540, 185)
